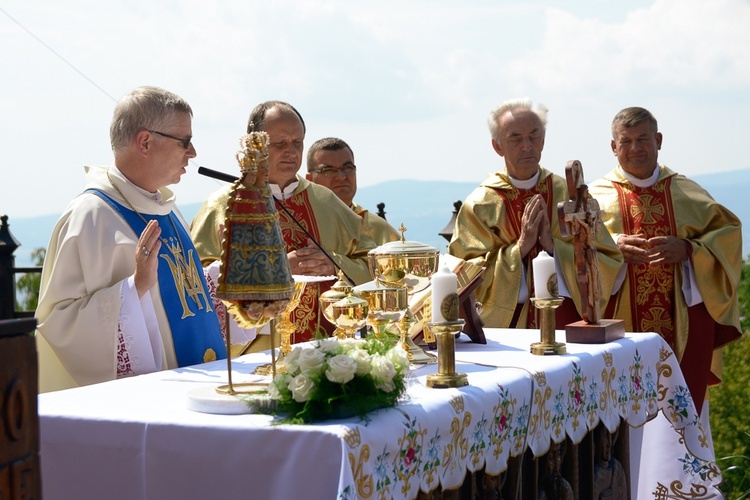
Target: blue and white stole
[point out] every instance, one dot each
(196, 333)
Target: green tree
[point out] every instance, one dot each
(27, 285)
(730, 405)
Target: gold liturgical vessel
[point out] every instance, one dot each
(386, 305)
(344, 307)
(400, 268)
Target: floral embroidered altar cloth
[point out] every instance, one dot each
(530, 401)
(135, 438)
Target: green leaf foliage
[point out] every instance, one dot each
(27, 285)
(730, 405)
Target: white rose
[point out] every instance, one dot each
(399, 358)
(328, 345)
(348, 345)
(383, 372)
(301, 387)
(341, 369)
(279, 386)
(291, 361)
(311, 361)
(363, 359)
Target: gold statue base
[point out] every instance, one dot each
(446, 376)
(547, 345)
(606, 330)
(267, 370)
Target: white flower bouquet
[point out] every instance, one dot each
(339, 378)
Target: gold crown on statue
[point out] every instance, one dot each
(254, 151)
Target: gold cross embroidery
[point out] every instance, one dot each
(644, 208)
(656, 321)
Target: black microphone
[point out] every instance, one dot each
(215, 174)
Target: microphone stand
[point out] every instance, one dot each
(215, 174)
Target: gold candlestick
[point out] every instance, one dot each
(547, 344)
(416, 354)
(446, 376)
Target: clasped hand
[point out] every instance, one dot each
(310, 261)
(535, 227)
(658, 250)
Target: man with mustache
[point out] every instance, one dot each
(330, 163)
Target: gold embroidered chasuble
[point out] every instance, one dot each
(486, 234)
(650, 298)
(379, 229)
(334, 225)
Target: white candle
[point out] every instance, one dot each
(544, 269)
(444, 286)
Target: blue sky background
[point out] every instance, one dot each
(408, 84)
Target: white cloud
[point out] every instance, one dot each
(408, 83)
(678, 43)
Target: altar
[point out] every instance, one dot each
(136, 438)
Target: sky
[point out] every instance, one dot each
(408, 84)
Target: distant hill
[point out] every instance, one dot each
(424, 207)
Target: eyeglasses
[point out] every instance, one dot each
(184, 142)
(329, 171)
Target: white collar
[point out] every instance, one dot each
(641, 183)
(525, 184)
(286, 193)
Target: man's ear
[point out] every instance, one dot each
(659, 138)
(143, 142)
(309, 177)
(498, 149)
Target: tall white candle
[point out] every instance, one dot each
(544, 269)
(444, 286)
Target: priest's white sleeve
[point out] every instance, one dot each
(139, 350)
(689, 284)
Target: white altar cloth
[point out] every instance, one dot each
(135, 438)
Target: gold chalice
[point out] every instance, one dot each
(407, 265)
(348, 314)
(386, 305)
(338, 291)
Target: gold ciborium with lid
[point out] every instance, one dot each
(405, 265)
(345, 308)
